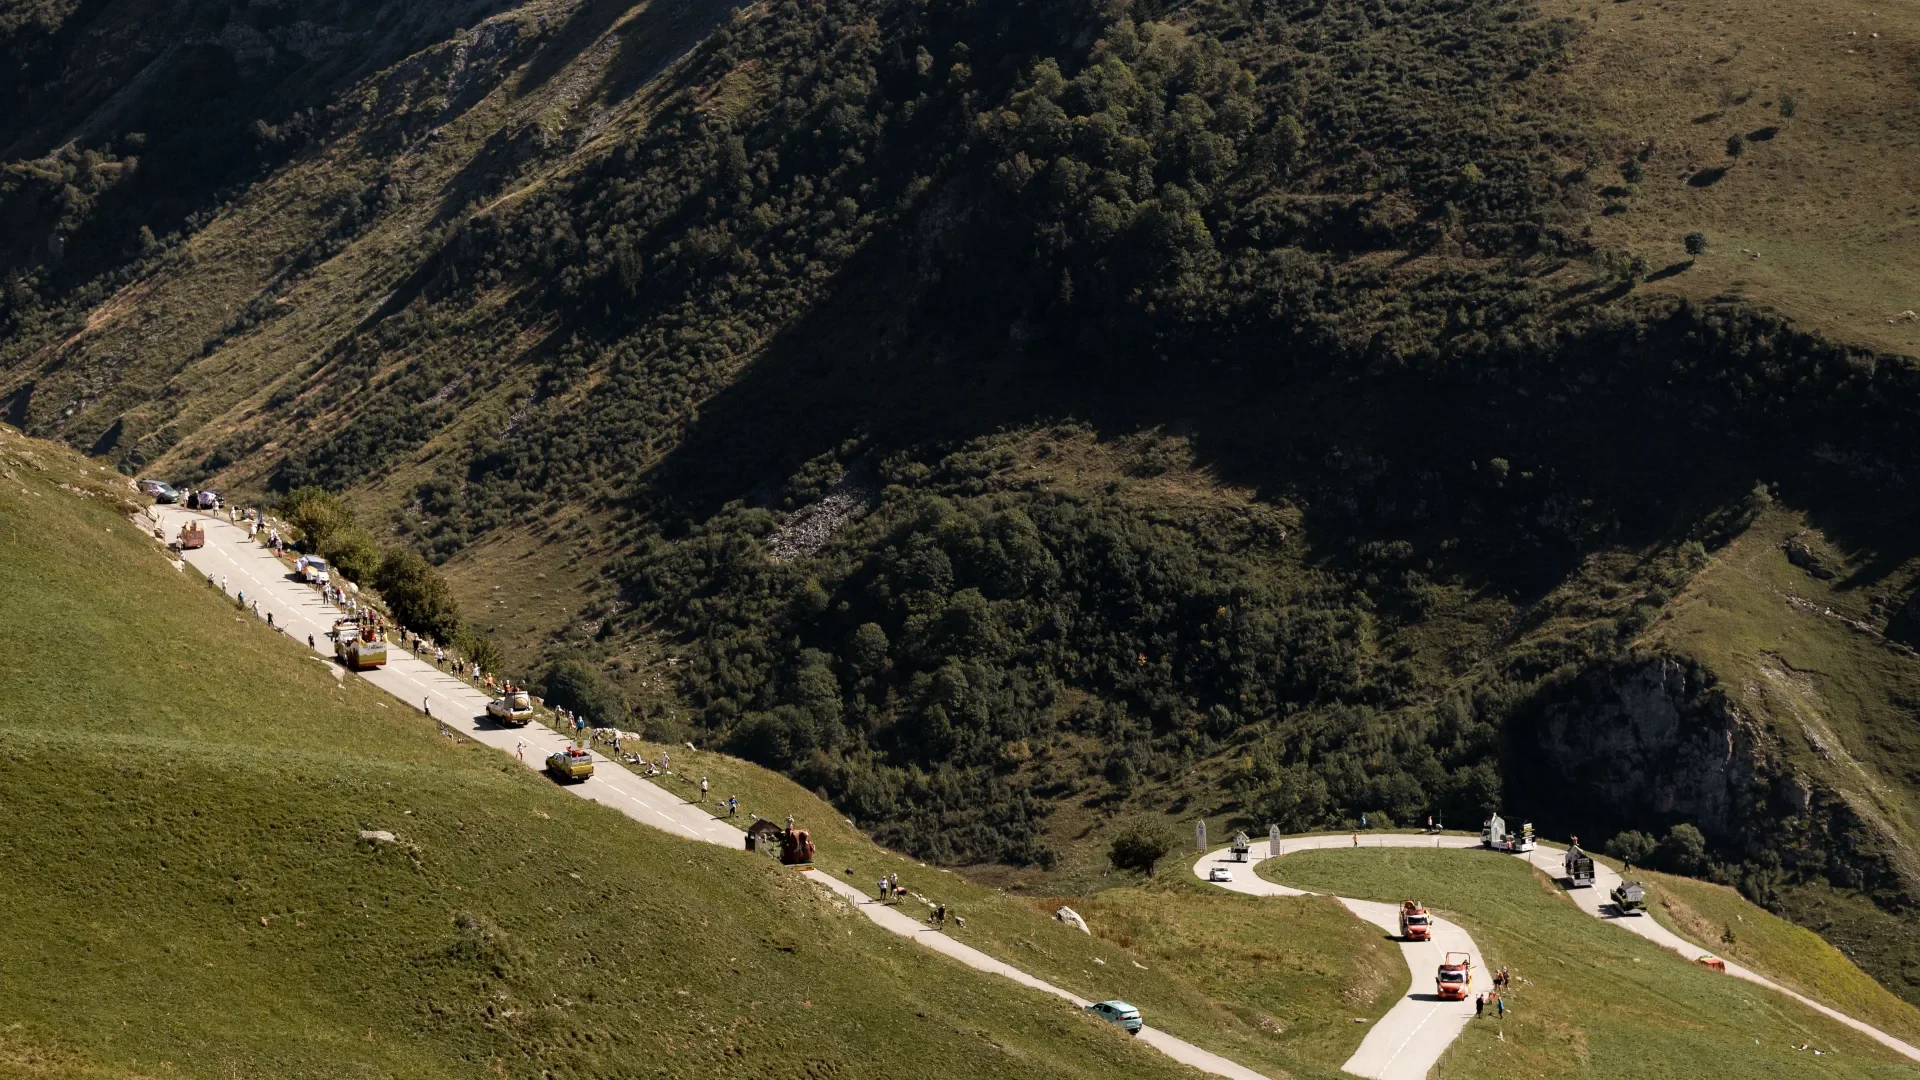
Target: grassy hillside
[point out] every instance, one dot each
(1817, 215)
(1246, 410)
(188, 893)
(1590, 997)
(1273, 985)
(1724, 922)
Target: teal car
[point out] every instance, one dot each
(1117, 1012)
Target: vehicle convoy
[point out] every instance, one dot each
(1219, 874)
(358, 648)
(192, 537)
(1119, 1013)
(1415, 923)
(513, 708)
(1579, 867)
(1455, 978)
(570, 765)
(1629, 897)
(1495, 834)
(1240, 846)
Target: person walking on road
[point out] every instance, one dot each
(426, 705)
(269, 619)
(223, 583)
(520, 748)
(310, 641)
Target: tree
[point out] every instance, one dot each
(1736, 145)
(1631, 846)
(1788, 106)
(1684, 851)
(317, 513)
(1139, 847)
(417, 594)
(352, 552)
(1696, 243)
(580, 687)
(479, 649)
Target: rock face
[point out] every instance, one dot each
(1650, 742)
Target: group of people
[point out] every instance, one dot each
(1495, 998)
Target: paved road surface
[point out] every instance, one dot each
(298, 609)
(1406, 1042)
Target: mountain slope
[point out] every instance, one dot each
(1238, 408)
(190, 891)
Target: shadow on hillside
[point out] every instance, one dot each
(657, 37)
(1507, 477)
(588, 24)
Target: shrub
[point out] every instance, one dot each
(1631, 847)
(479, 649)
(1139, 847)
(1736, 145)
(580, 687)
(1788, 106)
(417, 595)
(1696, 243)
(352, 553)
(1684, 851)
(318, 514)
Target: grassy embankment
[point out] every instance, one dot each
(1724, 922)
(1275, 984)
(1592, 997)
(187, 892)
(1797, 647)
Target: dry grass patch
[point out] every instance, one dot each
(1820, 215)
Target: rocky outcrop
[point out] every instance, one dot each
(1649, 742)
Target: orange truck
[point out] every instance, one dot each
(1415, 925)
(1455, 979)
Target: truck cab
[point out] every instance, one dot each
(1415, 923)
(1454, 980)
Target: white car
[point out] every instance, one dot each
(1118, 1013)
(1219, 873)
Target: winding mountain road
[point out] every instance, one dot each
(298, 609)
(1403, 1045)
(1407, 1042)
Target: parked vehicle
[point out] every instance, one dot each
(160, 491)
(313, 570)
(1119, 1013)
